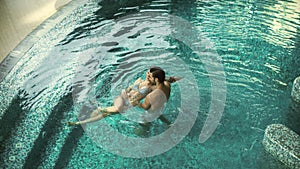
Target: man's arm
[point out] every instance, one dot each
(146, 104)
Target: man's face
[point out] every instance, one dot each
(150, 78)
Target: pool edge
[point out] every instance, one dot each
(37, 33)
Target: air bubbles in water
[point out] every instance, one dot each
(12, 158)
(19, 145)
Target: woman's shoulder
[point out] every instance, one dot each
(139, 80)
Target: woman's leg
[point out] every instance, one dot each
(97, 114)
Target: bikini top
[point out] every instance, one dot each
(143, 90)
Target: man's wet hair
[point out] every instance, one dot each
(160, 74)
(154, 68)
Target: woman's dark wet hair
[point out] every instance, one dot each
(160, 74)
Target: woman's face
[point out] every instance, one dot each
(148, 75)
(150, 78)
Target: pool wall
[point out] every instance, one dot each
(27, 43)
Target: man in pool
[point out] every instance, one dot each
(155, 101)
(128, 97)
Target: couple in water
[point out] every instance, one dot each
(155, 89)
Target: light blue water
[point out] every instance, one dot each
(101, 45)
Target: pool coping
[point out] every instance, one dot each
(281, 142)
(28, 42)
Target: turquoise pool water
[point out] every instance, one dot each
(95, 47)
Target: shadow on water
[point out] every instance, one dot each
(50, 131)
(70, 145)
(12, 117)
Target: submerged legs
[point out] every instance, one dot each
(96, 115)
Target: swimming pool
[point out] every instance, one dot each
(95, 47)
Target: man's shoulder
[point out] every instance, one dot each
(156, 93)
(166, 83)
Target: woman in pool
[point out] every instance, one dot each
(135, 93)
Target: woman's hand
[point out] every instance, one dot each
(134, 102)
